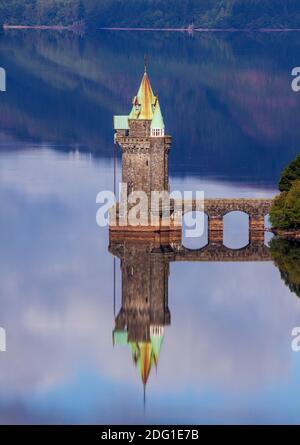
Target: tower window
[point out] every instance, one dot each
(157, 132)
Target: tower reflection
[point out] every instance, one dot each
(144, 312)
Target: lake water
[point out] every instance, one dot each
(226, 356)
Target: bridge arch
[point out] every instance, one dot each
(236, 229)
(199, 241)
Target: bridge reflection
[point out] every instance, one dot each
(254, 251)
(145, 265)
(170, 247)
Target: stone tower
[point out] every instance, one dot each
(144, 144)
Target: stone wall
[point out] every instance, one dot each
(159, 165)
(139, 128)
(144, 159)
(136, 170)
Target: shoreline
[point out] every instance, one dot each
(189, 30)
(55, 27)
(76, 27)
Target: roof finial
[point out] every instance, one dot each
(145, 62)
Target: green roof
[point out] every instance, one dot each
(145, 354)
(157, 121)
(134, 112)
(120, 337)
(156, 341)
(121, 123)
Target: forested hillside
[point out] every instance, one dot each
(160, 13)
(64, 90)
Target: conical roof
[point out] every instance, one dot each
(156, 342)
(145, 360)
(146, 98)
(143, 103)
(145, 106)
(157, 121)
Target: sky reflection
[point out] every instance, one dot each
(225, 358)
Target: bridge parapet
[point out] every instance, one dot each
(219, 207)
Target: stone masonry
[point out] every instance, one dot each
(144, 290)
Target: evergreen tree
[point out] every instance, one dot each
(278, 217)
(285, 212)
(290, 174)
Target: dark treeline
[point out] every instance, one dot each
(158, 13)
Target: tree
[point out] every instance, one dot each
(292, 205)
(278, 217)
(286, 256)
(285, 212)
(290, 174)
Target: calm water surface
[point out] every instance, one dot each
(226, 356)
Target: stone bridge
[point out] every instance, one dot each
(216, 209)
